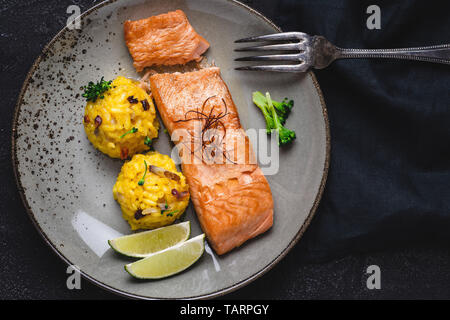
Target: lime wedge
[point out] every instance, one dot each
(143, 244)
(169, 261)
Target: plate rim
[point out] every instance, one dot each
(117, 291)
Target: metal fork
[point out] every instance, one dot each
(317, 52)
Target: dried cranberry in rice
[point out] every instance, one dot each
(123, 153)
(138, 214)
(145, 104)
(132, 100)
(98, 121)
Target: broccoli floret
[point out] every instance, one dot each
(283, 109)
(275, 113)
(260, 100)
(285, 135)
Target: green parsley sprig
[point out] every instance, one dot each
(148, 142)
(170, 214)
(142, 181)
(93, 91)
(133, 130)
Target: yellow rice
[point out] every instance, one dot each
(119, 116)
(155, 191)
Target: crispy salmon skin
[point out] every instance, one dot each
(233, 200)
(165, 39)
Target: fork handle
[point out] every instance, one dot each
(438, 54)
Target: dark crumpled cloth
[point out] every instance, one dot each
(389, 178)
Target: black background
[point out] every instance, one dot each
(326, 263)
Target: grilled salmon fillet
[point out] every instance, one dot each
(165, 39)
(232, 199)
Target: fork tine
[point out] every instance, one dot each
(276, 68)
(272, 47)
(273, 37)
(272, 57)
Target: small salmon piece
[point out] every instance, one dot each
(233, 201)
(165, 39)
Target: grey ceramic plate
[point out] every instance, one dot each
(66, 184)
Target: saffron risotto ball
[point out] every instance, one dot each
(123, 122)
(150, 191)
